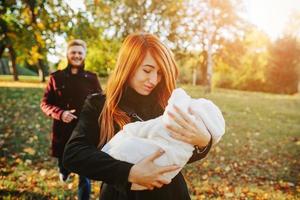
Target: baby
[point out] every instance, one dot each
(140, 139)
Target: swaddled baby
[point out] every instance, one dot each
(140, 139)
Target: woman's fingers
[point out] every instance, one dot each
(180, 133)
(179, 120)
(148, 174)
(177, 129)
(181, 137)
(196, 115)
(157, 184)
(176, 133)
(184, 116)
(186, 122)
(155, 155)
(163, 180)
(150, 187)
(167, 169)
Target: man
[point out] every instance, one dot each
(63, 99)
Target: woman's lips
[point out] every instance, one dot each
(149, 88)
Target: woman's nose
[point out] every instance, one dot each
(153, 78)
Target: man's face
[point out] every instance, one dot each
(76, 55)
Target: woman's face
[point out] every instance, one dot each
(146, 77)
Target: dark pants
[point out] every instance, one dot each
(84, 185)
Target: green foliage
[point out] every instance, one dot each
(241, 57)
(203, 25)
(28, 29)
(241, 64)
(102, 56)
(187, 64)
(101, 51)
(120, 18)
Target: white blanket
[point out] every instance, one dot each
(140, 139)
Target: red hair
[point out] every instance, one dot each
(131, 55)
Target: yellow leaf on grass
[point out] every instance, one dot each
(43, 172)
(217, 149)
(29, 150)
(18, 160)
(227, 169)
(205, 164)
(204, 177)
(218, 169)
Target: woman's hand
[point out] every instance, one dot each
(186, 130)
(149, 175)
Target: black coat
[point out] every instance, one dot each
(83, 157)
(66, 91)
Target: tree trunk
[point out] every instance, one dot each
(194, 77)
(2, 64)
(209, 70)
(41, 70)
(203, 68)
(12, 54)
(2, 48)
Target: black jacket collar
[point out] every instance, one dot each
(133, 99)
(80, 71)
(145, 106)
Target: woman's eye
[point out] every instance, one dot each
(147, 71)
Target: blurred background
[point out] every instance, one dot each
(244, 55)
(238, 44)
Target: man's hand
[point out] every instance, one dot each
(67, 116)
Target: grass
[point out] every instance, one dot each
(23, 82)
(258, 157)
(22, 78)
(28, 81)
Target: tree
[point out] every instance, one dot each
(9, 28)
(101, 51)
(206, 25)
(119, 19)
(283, 63)
(112, 21)
(44, 19)
(28, 29)
(293, 29)
(241, 63)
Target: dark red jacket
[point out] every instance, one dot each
(66, 91)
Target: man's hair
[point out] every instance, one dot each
(77, 42)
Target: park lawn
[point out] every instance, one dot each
(258, 157)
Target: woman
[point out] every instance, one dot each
(138, 89)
